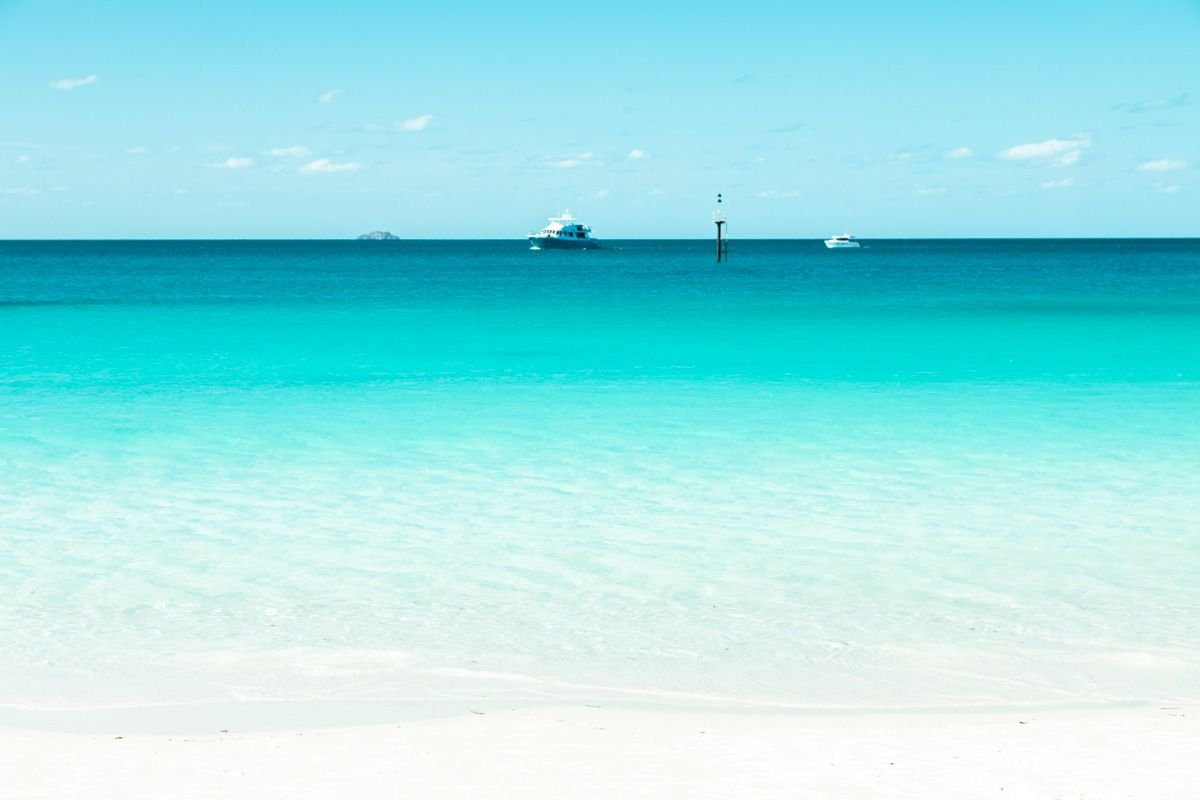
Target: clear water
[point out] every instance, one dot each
(924, 473)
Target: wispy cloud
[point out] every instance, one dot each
(325, 165)
(774, 194)
(415, 124)
(960, 152)
(929, 191)
(22, 159)
(135, 151)
(1059, 184)
(638, 155)
(1058, 152)
(1142, 106)
(234, 163)
(1162, 165)
(1167, 188)
(327, 97)
(67, 84)
(575, 161)
(296, 151)
(600, 195)
(20, 191)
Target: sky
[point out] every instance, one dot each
(164, 119)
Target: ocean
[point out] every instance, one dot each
(923, 474)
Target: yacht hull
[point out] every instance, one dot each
(558, 243)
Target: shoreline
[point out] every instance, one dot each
(586, 751)
(271, 716)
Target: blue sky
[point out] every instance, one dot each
(456, 119)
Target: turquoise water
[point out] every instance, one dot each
(925, 473)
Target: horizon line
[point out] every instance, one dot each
(709, 239)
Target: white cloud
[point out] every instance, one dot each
(414, 124)
(23, 159)
(327, 98)
(23, 191)
(1046, 149)
(924, 190)
(638, 155)
(1167, 189)
(296, 151)
(570, 163)
(772, 194)
(1162, 165)
(960, 152)
(1059, 152)
(407, 126)
(326, 166)
(234, 163)
(135, 151)
(67, 84)
(1059, 184)
(600, 195)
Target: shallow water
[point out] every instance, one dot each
(922, 473)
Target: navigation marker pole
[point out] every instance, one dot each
(719, 219)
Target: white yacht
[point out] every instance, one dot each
(563, 232)
(845, 240)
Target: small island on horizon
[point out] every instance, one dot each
(378, 236)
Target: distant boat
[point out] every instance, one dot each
(845, 240)
(563, 232)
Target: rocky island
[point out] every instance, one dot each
(378, 236)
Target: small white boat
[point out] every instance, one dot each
(845, 240)
(564, 232)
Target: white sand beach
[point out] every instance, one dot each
(600, 752)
